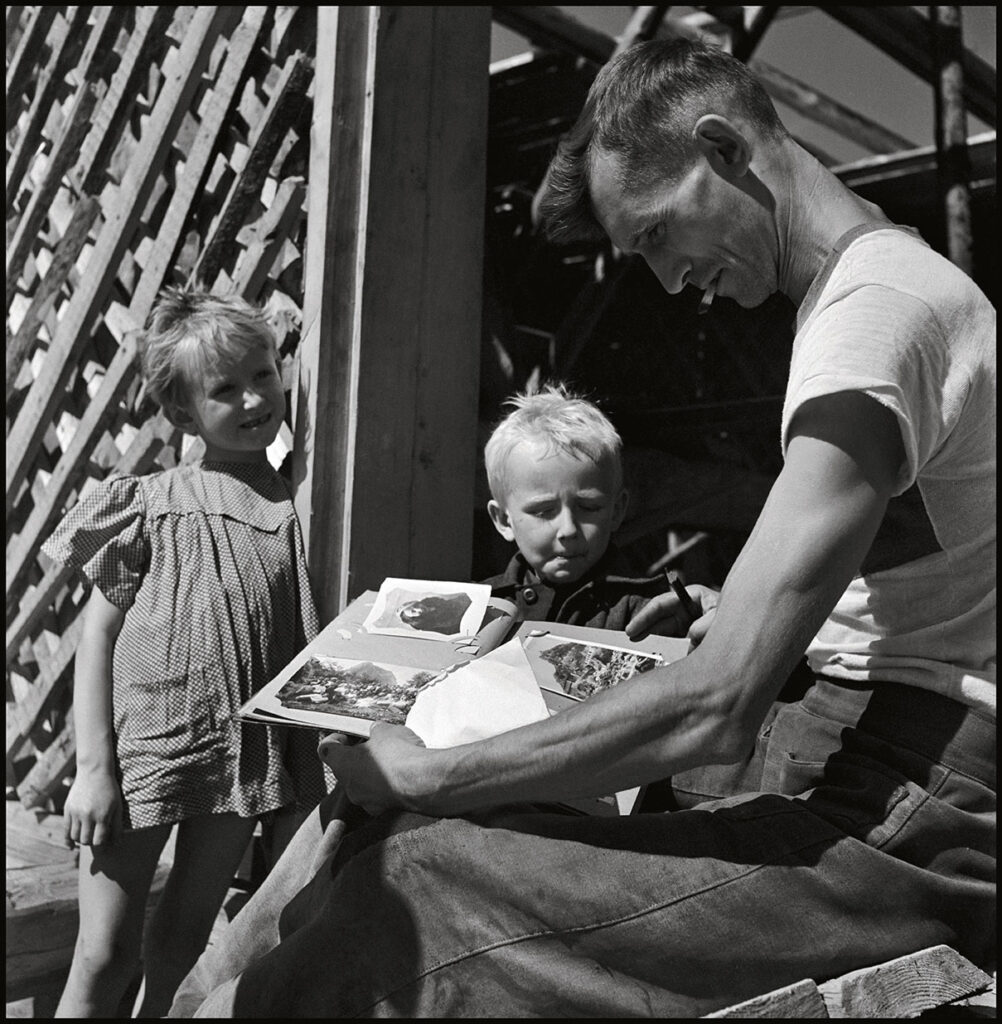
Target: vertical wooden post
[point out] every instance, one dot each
(951, 134)
(387, 401)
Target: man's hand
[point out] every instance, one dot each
(373, 772)
(664, 616)
(93, 811)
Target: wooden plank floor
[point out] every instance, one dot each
(41, 910)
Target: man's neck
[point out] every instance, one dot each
(813, 214)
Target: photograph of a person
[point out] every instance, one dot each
(431, 608)
(580, 669)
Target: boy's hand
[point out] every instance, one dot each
(372, 772)
(664, 616)
(93, 811)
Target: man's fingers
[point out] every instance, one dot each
(662, 610)
(333, 746)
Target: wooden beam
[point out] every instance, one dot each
(818, 107)
(753, 26)
(386, 405)
(904, 987)
(906, 35)
(550, 28)
(643, 25)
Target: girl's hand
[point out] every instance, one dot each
(373, 772)
(93, 811)
(664, 616)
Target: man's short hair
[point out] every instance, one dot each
(560, 420)
(641, 108)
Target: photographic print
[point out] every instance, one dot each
(579, 669)
(324, 690)
(428, 608)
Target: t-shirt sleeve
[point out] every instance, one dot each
(887, 345)
(104, 536)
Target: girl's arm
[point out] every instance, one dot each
(93, 809)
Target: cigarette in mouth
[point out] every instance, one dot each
(707, 299)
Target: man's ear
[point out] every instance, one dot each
(619, 509)
(499, 517)
(726, 148)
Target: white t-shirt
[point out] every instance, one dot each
(890, 317)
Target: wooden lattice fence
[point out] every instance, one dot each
(146, 146)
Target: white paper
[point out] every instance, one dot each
(489, 695)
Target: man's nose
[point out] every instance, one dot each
(671, 270)
(252, 397)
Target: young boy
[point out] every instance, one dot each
(556, 480)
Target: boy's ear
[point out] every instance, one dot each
(499, 517)
(619, 509)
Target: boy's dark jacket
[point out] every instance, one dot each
(607, 598)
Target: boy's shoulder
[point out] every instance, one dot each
(611, 571)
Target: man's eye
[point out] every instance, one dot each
(655, 233)
(222, 389)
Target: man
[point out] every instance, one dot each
(868, 831)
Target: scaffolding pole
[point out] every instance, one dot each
(951, 135)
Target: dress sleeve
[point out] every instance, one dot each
(104, 536)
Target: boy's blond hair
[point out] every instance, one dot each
(188, 332)
(561, 420)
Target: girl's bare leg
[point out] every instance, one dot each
(206, 858)
(114, 884)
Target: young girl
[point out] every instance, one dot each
(200, 596)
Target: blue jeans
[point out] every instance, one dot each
(871, 835)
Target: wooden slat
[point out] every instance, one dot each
(213, 115)
(85, 213)
(148, 36)
(73, 331)
(65, 150)
(272, 233)
(22, 66)
(13, 27)
(50, 685)
(65, 42)
(51, 767)
(121, 372)
(905, 34)
(282, 110)
(23, 549)
(33, 606)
